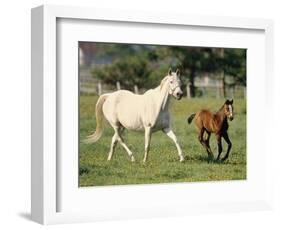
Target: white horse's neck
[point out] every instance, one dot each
(164, 96)
(161, 94)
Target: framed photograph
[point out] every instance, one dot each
(143, 114)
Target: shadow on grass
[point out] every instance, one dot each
(210, 161)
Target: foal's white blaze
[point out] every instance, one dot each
(230, 110)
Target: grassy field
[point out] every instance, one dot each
(163, 164)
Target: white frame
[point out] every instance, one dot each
(44, 96)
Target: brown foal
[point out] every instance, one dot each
(214, 123)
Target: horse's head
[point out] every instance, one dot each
(175, 83)
(228, 109)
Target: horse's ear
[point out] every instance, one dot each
(178, 72)
(170, 72)
(229, 102)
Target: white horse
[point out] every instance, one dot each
(148, 112)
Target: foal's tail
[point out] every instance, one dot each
(99, 121)
(190, 118)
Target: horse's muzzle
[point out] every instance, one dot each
(179, 95)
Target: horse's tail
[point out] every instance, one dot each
(99, 121)
(190, 118)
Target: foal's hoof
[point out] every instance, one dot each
(132, 159)
(181, 159)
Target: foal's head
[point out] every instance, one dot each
(228, 109)
(175, 84)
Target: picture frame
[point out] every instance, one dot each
(55, 199)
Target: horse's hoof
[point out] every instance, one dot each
(181, 159)
(210, 160)
(223, 160)
(132, 159)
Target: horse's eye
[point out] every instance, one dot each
(171, 81)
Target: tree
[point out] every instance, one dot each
(191, 61)
(146, 65)
(130, 71)
(234, 64)
(136, 65)
(218, 61)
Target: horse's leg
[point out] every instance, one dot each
(171, 134)
(118, 131)
(113, 145)
(147, 138)
(219, 145)
(200, 137)
(209, 151)
(226, 138)
(204, 143)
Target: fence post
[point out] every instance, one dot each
(99, 88)
(188, 94)
(118, 86)
(232, 90)
(136, 89)
(204, 91)
(218, 89)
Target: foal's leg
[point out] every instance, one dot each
(200, 137)
(209, 151)
(226, 138)
(171, 134)
(147, 138)
(118, 132)
(219, 145)
(204, 143)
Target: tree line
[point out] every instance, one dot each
(146, 65)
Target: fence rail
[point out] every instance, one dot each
(202, 90)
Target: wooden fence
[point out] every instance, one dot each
(202, 90)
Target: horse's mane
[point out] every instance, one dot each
(163, 82)
(166, 94)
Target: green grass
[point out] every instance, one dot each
(163, 164)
